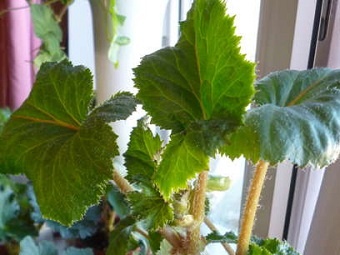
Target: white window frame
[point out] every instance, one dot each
(296, 38)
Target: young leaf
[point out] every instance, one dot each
(150, 205)
(202, 87)
(298, 118)
(142, 154)
(118, 107)
(142, 159)
(121, 240)
(50, 138)
(182, 159)
(155, 240)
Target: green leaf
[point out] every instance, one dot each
(82, 229)
(142, 155)
(150, 205)
(121, 241)
(182, 159)
(297, 118)
(155, 240)
(9, 207)
(77, 251)
(55, 55)
(45, 25)
(118, 107)
(116, 40)
(28, 247)
(218, 183)
(215, 237)
(141, 160)
(48, 30)
(51, 139)
(271, 247)
(118, 202)
(5, 113)
(204, 77)
(202, 87)
(15, 210)
(122, 40)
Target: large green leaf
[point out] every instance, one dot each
(204, 77)
(297, 118)
(64, 151)
(202, 87)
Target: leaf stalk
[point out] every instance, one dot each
(121, 182)
(197, 210)
(250, 208)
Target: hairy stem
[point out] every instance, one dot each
(172, 237)
(249, 210)
(197, 210)
(225, 245)
(121, 182)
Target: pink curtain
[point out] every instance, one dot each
(18, 47)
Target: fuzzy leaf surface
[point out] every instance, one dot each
(141, 160)
(64, 151)
(142, 154)
(297, 118)
(150, 205)
(118, 107)
(204, 77)
(182, 159)
(201, 85)
(271, 247)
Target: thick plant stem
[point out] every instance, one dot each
(197, 210)
(250, 208)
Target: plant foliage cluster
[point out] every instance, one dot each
(199, 90)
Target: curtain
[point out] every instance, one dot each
(18, 46)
